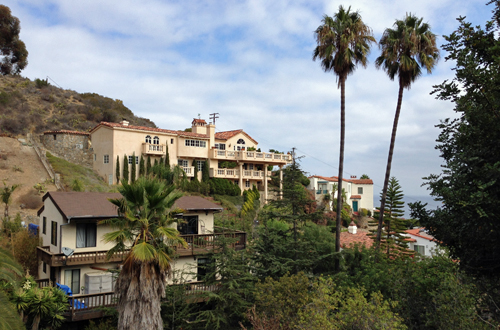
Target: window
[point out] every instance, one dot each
(220, 146)
(106, 159)
(148, 139)
(196, 143)
(86, 235)
(420, 249)
(247, 184)
(72, 279)
(53, 234)
(199, 164)
(130, 159)
(240, 141)
(188, 226)
(360, 190)
(171, 141)
(250, 166)
(44, 267)
(182, 163)
(156, 140)
(205, 267)
(44, 226)
(95, 157)
(136, 160)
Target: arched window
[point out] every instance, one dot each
(240, 141)
(156, 140)
(148, 139)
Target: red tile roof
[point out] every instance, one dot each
(229, 134)
(336, 179)
(150, 129)
(65, 132)
(355, 196)
(347, 239)
(83, 204)
(201, 121)
(419, 233)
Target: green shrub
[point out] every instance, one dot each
(40, 83)
(4, 98)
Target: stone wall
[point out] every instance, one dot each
(71, 146)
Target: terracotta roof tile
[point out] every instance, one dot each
(83, 204)
(355, 196)
(229, 134)
(422, 234)
(151, 129)
(65, 132)
(347, 239)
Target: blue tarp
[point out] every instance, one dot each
(67, 290)
(33, 229)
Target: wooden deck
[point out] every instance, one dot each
(197, 245)
(89, 306)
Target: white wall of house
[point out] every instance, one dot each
(51, 215)
(430, 247)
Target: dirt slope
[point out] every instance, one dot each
(19, 164)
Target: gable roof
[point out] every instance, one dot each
(149, 129)
(229, 134)
(336, 179)
(83, 204)
(196, 203)
(420, 232)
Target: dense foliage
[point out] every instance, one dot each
(13, 53)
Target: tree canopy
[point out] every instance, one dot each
(14, 56)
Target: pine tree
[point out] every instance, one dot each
(148, 165)
(117, 169)
(141, 167)
(134, 169)
(393, 242)
(167, 156)
(125, 169)
(205, 175)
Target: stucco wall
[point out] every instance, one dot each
(74, 148)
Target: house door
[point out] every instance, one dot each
(355, 206)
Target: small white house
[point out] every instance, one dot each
(420, 241)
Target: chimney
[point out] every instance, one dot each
(199, 126)
(124, 122)
(352, 229)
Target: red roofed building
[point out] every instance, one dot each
(349, 240)
(420, 241)
(186, 149)
(359, 192)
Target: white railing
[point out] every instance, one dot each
(251, 155)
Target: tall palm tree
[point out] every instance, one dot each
(144, 229)
(343, 42)
(406, 48)
(10, 271)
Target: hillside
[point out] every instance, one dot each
(36, 106)
(19, 164)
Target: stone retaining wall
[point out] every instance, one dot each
(69, 145)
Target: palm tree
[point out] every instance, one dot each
(144, 229)
(5, 196)
(406, 48)
(343, 42)
(10, 271)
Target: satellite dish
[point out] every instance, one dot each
(68, 253)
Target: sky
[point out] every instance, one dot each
(250, 62)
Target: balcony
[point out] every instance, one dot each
(153, 149)
(189, 170)
(262, 157)
(197, 244)
(89, 306)
(230, 173)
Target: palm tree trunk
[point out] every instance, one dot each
(140, 288)
(341, 169)
(388, 169)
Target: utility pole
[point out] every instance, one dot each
(214, 116)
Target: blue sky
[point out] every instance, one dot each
(250, 61)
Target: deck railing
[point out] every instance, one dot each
(251, 155)
(197, 244)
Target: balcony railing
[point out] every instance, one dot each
(189, 170)
(251, 155)
(153, 149)
(197, 244)
(235, 173)
(89, 306)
